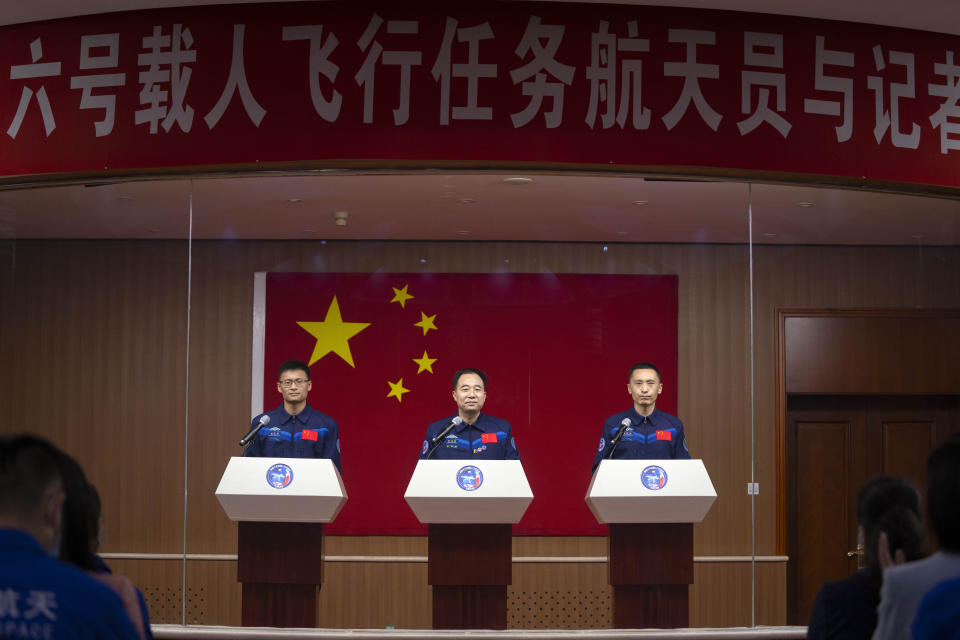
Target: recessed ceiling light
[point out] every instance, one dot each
(466, 200)
(294, 199)
(518, 180)
(805, 205)
(641, 203)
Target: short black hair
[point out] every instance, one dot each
(293, 365)
(943, 493)
(28, 467)
(644, 365)
(456, 376)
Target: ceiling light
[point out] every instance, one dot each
(805, 205)
(641, 203)
(518, 180)
(294, 199)
(340, 218)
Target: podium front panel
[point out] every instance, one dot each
(468, 491)
(281, 490)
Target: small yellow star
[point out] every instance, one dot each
(401, 296)
(426, 322)
(397, 390)
(424, 363)
(333, 334)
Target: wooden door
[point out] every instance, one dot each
(834, 444)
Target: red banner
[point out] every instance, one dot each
(500, 82)
(557, 349)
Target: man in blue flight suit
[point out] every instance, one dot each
(646, 433)
(39, 596)
(295, 429)
(469, 435)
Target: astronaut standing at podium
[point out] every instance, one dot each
(642, 432)
(470, 434)
(295, 429)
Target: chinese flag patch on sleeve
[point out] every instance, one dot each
(487, 438)
(310, 434)
(664, 435)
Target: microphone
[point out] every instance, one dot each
(615, 440)
(437, 438)
(264, 421)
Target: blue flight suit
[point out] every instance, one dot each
(284, 436)
(99, 566)
(658, 436)
(488, 438)
(43, 598)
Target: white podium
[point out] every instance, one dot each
(469, 506)
(280, 504)
(618, 491)
(468, 491)
(259, 490)
(650, 506)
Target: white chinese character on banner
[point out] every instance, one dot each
(236, 83)
(444, 69)
(950, 92)
(8, 603)
(403, 59)
(763, 50)
(607, 69)
(890, 119)
(35, 70)
(320, 64)
(833, 84)
(89, 45)
(543, 61)
(691, 71)
(173, 53)
(41, 603)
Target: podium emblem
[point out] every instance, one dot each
(469, 478)
(653, 478)
(279, 476)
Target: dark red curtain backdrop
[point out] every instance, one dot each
(556, 348)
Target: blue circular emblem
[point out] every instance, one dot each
(279, 476)
(603, 443)
(654, 478)
(469, 478)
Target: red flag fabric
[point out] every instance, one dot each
(383, 347)
(664, 435)
(309, 434)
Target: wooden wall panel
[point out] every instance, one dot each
(839, 354)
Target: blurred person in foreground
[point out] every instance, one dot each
(848, 608)
(905, 585)
(39, 596)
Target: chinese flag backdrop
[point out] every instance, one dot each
(556, 349)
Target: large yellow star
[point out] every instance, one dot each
(333, 334)
(401, 296)
(397, 390)
(426, 322)
(424, 363)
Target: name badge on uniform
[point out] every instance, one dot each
(664, 435)
(487, 438)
